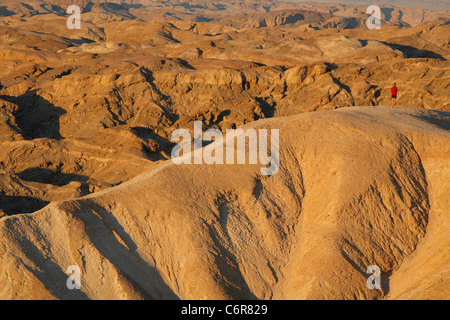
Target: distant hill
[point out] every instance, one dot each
(207, 10)
(424, 4)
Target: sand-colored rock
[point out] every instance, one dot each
(369, 190)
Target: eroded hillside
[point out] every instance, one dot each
(84, 110)
(356, 187)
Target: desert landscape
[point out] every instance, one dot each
(87, 177)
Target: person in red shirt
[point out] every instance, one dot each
(394, 90)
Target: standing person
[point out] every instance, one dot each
(394, 90)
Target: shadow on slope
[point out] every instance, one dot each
(411, 52)
(103, 232)
(12, 205)
(48, 176)
(37, 117)
(440, 119)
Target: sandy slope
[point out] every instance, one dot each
(372, 189)
(85, 110)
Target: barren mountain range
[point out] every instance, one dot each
(86, 118)
(427, 4)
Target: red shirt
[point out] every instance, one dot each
(394, 91)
